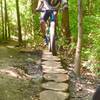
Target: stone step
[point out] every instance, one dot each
(54, 71)
(53, 95)
(55, 86)
(51, 66)
(50, 57)
(46, 52)
(51, 63)
(56, 77)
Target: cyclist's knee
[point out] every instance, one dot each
(43, 26)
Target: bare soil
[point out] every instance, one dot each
(16, 80)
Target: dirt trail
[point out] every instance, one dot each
(15, 78)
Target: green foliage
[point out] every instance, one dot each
(73, 17)
(91, 50)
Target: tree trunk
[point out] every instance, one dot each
(77, 61)
(90, 7)
(5, 26)
(7, 29)
(33, 7)
(65, 23)
(19, 24)
(2, 18)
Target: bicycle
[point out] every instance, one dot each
(50, 34)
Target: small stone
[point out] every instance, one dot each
(55, 86)
(53, 95)
(29, 60)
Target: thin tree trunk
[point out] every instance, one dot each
(19, 23)
(8, 29)
(6, 25)
(5, 19)
(90, 7)
(65, 23)
(77, 61)
(33, 7)
(2, 17)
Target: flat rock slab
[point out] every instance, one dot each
(54, 71)
(55, 86)
(50, 57)
(46, 52)
(51, 63)
(56, 77)
(51, 66)
(53, 95)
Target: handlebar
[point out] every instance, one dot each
(43, 10)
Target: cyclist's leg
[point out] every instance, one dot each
(52, 22)
(42, 23)
(44, 17)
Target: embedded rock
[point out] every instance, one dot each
(53, 95)
(55, 86)
(56, 77)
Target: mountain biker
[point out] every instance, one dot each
(47, 5)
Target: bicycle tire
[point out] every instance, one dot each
(52, 46)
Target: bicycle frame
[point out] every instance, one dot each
(50, 36)
(52, 27)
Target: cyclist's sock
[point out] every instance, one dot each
(46, 39)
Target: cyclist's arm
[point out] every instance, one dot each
(40, 2)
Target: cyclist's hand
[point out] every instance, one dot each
(53, 8)
(37, 9)
(64, 6)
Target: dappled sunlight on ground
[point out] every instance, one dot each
(15, 83)
(15, 72)
(83, 87)
(90, 90)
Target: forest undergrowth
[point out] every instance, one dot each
(83, 87)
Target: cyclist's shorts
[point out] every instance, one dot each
(46, 15)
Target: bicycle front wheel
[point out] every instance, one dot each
(52, 46)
